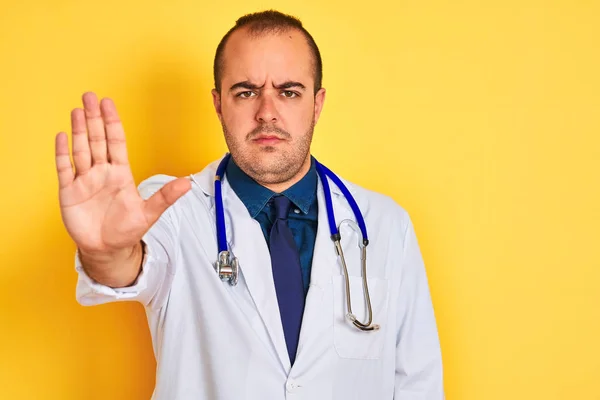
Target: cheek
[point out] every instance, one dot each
(297, 112)
(237, 118)
(301, 118)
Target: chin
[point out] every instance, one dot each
(270, 167)
(268, 156)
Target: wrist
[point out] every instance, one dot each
(107, 257)
(115, 268)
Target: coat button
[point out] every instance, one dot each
(292, 386)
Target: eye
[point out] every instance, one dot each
(289, 94)
(246, 95)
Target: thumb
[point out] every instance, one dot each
(164, 198)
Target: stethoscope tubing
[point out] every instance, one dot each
(227, 264)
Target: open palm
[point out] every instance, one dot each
(100, 205)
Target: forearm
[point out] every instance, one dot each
(115, 270)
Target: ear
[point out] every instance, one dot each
(319, 101)
(217, 103)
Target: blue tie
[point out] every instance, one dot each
(287, 275)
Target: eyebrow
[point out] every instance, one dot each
(251, 86)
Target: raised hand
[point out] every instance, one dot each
(100, 205)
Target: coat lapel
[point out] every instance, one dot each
(245, 239)
(248, 245)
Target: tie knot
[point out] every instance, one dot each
(282, 207)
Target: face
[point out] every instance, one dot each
(267, 105)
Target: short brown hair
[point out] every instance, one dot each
(265, 22)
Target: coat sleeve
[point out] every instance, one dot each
(152, 285)
(418, 354)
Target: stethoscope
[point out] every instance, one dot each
(227, 265)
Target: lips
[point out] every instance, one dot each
(267, 139)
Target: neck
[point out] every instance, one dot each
(281, 186)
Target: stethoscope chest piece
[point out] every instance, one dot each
(227, 267)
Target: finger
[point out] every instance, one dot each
(64, 168)
(115, 135)
(164, 198)
(81, 146)
(95, 127)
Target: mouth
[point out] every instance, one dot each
(267, 140)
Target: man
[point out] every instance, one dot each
(282, 331)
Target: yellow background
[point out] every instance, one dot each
(480, 118)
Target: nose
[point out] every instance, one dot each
(267, 112)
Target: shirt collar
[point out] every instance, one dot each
(304, 192)
(255, 196)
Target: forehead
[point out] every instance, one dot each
(278, 57)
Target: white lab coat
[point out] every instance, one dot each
(214, 341)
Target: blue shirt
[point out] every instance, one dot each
(303, 215)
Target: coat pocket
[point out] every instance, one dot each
(349, 341)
